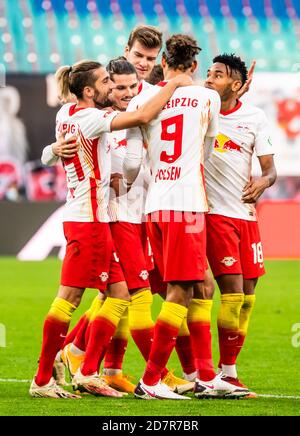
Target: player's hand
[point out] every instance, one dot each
(65, 148)
(183, 80)
(115, 182)
(245, 88)
(254, 189)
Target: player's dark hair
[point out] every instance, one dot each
(156, 75)
(148, 36)
(74, 79)
(120, 65)
(233, 63)
(180, 52)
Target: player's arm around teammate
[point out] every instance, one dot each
(144, 44)
(91, 84)
(120, 121)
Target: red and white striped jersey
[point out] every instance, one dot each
(175, 142)
(88, 173)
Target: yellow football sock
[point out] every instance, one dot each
(122, 331)
(184, 330)
(245, 313)
(172, 314)
(139, 311)
(229, 313)
(112, 309)
(61, 309)
(95, 307)
(200, 310)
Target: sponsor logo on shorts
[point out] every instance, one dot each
(144, 274)
(228, 261)
(103, 276)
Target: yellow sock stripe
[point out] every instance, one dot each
(200, 310)
(245, 313)
(122, 331)
(61, 309)
(96, 306)
(113, 309)
(229, 313)
(90, 310)
(184, 330)
(139, 311)
(172, 313)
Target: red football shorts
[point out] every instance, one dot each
(131, 245)
(158, 286)
(90, 261)
(147, 248)
(178, 241)
(234, 247)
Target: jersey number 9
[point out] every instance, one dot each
(175, 136)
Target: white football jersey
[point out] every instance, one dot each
(88, 173)
(242, 131)
(143, 85)
(128, 207)
(175, 141)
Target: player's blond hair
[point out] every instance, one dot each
(73, 79)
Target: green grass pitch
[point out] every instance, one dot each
(269, 362)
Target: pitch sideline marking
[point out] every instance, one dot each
(289, 397)
(13, 380)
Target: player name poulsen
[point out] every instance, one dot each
(171, 173)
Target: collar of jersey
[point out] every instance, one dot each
(73, 109)
(236, 107)
(162, 83)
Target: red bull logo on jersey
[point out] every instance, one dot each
(223, 144)
(122, 143)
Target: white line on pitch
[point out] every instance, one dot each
(289, 397)
(13, 380)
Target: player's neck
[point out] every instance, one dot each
(172, 73)
(116, 108)
(85, 103)
(228, 105)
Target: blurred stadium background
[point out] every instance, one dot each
(38, 36)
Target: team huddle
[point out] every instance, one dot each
(159, 189)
